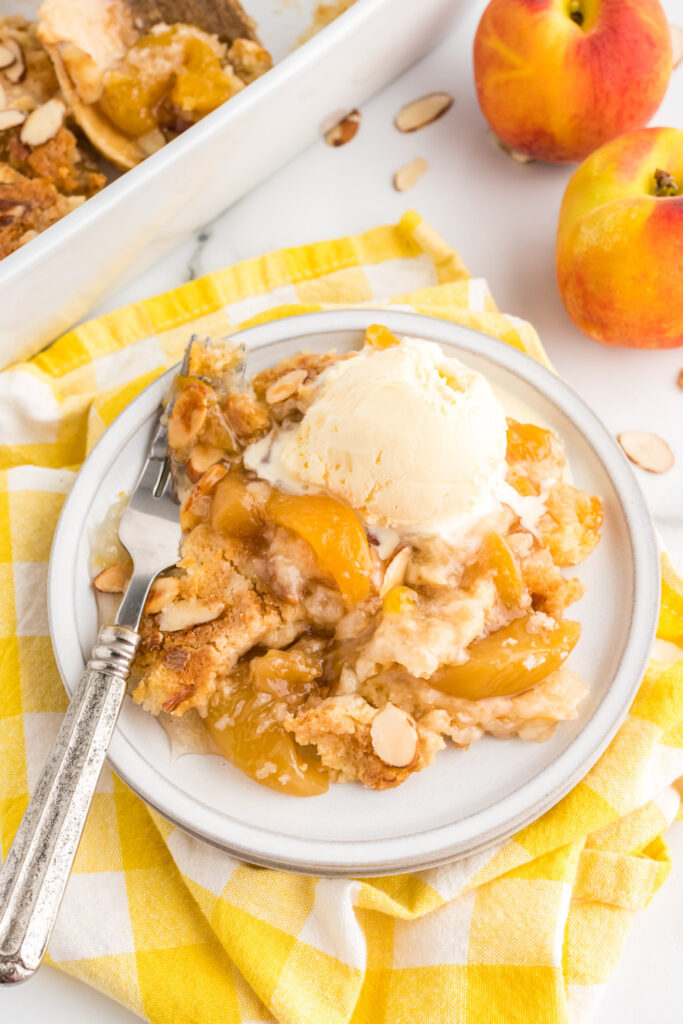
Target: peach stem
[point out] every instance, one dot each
(666, 184)
(575, 12)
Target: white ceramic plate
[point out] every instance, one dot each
(468, 799)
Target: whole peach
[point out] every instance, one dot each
(556, 79)
(619, 252)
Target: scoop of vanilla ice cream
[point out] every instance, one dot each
(409, 438)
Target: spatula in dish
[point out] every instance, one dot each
(34, 875)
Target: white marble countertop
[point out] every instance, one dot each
(501, 216)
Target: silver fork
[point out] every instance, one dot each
(34, 875)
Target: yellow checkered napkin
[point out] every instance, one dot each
(181, 932)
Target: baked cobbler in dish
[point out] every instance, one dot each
(136, 74)
(371, 565)
(95, 85)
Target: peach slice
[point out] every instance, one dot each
(497, 558)
(528, 441)
(335, 533)
(378, 336)
(399, 599)
(533, 454)
(235, 510)
(509, 661)
(256, 743)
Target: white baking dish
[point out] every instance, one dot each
(51, 282)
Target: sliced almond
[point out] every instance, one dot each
(161, 593)
(394, 737)
(114, 579)
(84, 72)
(677, 44)
(209, 480)
(177, 699)
(514, 154)
(43, 123)
(188, 613)
(176, 658)
(410, 174)
(249, 59)
(679, 379)
(195, 509)
(285, 386)
(422, 112)
(11, 119)
(202, 457)
(7, 57)
(16, 69)
(649, 451)
(197, 505)
(188, 416)
(14, 213)
(345, 130)
(152, 141)
(348, 681)
(395, 572)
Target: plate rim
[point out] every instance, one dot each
(393, 854)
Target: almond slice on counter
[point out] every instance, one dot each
(395, 572)
(514, 154)
(345, 130)
(649, 451)
(43, 123)
(114, 579)
(162, 592)
(188, 613)
(423, 111)
(394, 737)
(16, 69)
(677, 44)
(11, 119)
(410, 174)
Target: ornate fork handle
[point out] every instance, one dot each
(34, 875)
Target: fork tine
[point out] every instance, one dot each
(149, 479)
(164, 486)
(158, 447)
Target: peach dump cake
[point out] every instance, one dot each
(371, 565)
